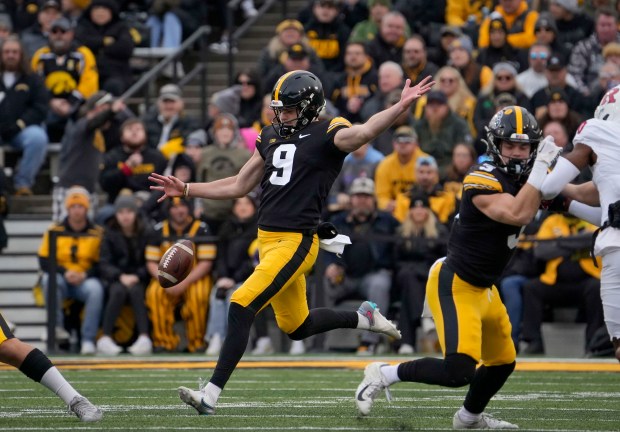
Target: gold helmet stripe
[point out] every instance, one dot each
(276, 93)
(519, 116)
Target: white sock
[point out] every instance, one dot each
(390, 373)
(53, 380)
(362, 322)
(213, 391)
(467, 416)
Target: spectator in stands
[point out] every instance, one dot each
(388, 43)
(166, 26)
(459, 12)
(167, 125)
(460, 99)
(36, 35)
(559, 110)
(570, 278)
(288, 33)
(504, 81)
(359, 163)
(546, 33)
(389, 77)
(383, 143)
(420, 242)
(558, 77)
(476, 76)
(395, 174)
(191, 295)
(352, 11)
(520, 22)
(533, 79)
(129, 165)
(415, 62)
(587, 56)
(608, 78)
(559, 134)
(107, 36)
(233, 266)
(443, 203)
(463, 158)
(21, 14)
(611, 53)
(366, 30)
(440, 54)
(82, 148)
(23, 106)
(70, 73)
(73, 9)
(297, 57)
(440, 129)
(424, 18)
(365, 267)
(499, 49)
(573, 25)
(328, 34)
(224, 158)
(123, 271)
(242, 100)
(356, 84)
(6, 27)
(77, 265)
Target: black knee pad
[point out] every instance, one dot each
(35, 365)
(460, 370)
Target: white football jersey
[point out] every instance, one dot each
(603, 137)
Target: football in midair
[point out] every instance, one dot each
(176, 263)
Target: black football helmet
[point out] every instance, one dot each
(302, 90)
(515, 124)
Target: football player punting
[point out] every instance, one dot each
(597, 146)
(296, 162)
(499, 198)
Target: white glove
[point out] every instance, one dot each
(548, 152)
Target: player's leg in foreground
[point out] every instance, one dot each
(36, 366)
(610, 296)
(279, 280)
(487, 335)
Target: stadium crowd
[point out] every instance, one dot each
(64, 64)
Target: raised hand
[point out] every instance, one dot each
(169, 185)
(410, 94)
(548, 152)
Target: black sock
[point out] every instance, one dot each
(456, 370)
(321, 320)
(487, 381)
(239, 323)
(35, 365)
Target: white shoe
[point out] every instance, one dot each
(84, 410)
(486, 421)
(199, 400)
(88, 348)
(142, 346)
(406, 349)
(222, 48)
(369, 388)
(106, 346)
(378, 323)
(249, 10)
(263, 346)
(297, 348)
(215, 345)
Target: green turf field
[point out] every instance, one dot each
(305, 399)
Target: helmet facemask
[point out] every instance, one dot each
(517, 168)
(306, 113)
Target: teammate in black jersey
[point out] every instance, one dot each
(296, 162)
(499, 198)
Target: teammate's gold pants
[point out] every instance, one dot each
(5, 332)
(470, 320)
(279, 279)
(194, 308)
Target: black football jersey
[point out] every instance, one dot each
(479, 247)
(299, 173)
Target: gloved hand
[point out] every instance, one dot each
(548, 152)
(326, 230)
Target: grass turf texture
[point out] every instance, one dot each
(305, 399)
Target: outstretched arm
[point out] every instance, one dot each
(350, 139)
(566, 169)
(586, 193)
(228, 188)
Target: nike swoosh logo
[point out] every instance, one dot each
(303, 136)
(359, 395)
